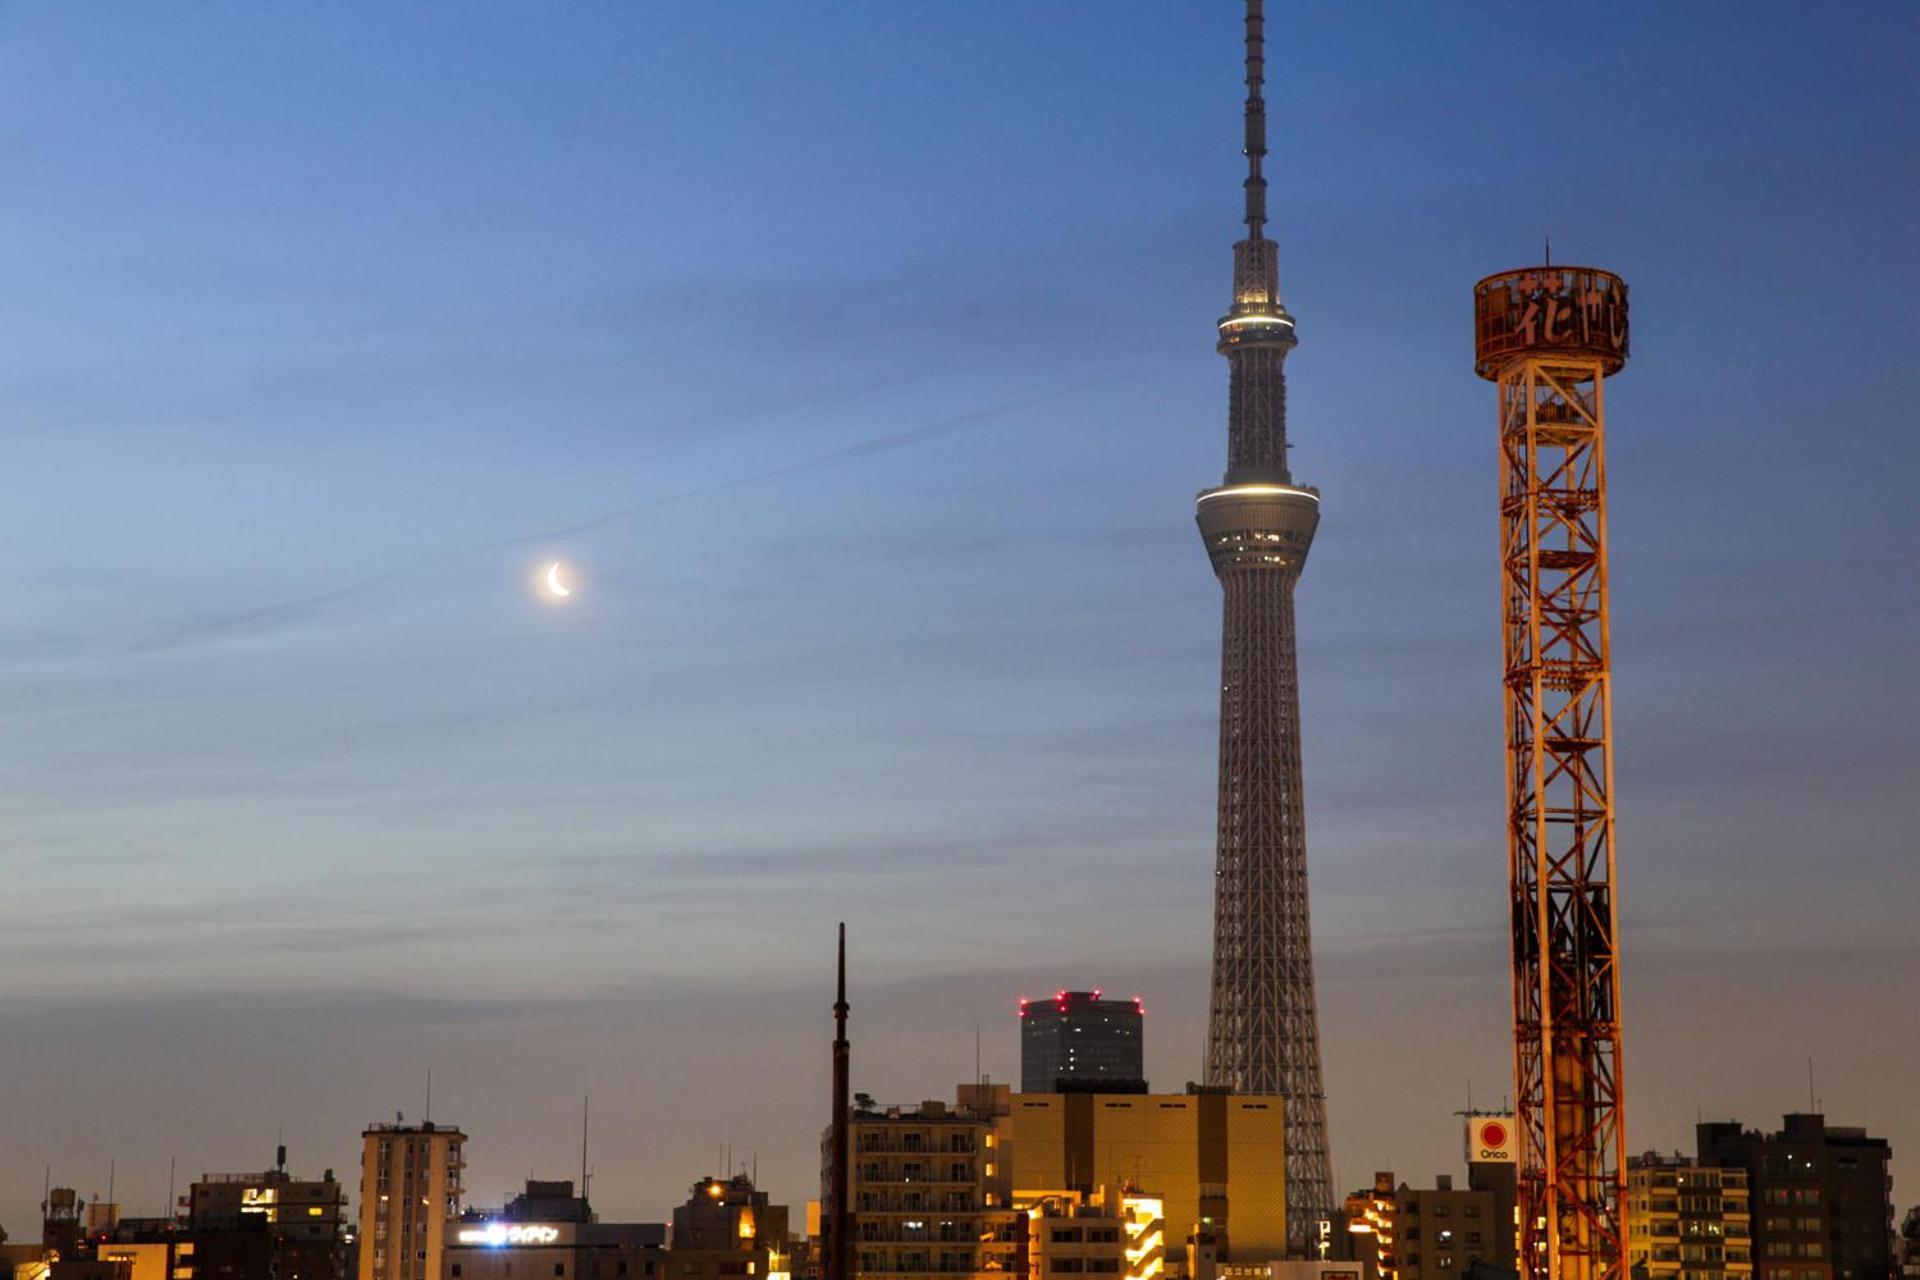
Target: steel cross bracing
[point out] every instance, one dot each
(1558, 700)
(1263, 1027)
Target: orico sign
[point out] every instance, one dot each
(1490, 1138)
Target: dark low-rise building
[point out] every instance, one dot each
(729, 1229)
(548, 1233)
(1822, 1200)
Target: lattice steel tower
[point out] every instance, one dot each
(1549, 336)
(1263, 1032)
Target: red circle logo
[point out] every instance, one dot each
(1493, 1134)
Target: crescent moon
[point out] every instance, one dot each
(554, 584)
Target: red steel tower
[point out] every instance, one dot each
(1549, 337)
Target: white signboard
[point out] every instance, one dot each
(1490, 1139)
(505, 1233)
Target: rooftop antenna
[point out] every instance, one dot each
(429, 1114)
(173, 1209)
(1549, 250)
(113, 1165)
(586, 1101)
(1256, 142)
(977, 1078)
(1812, 1106)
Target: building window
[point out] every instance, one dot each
(560, 1268)
(456, 1271)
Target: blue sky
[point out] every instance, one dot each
(882, 334)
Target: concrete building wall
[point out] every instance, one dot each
(1822, 1207)
(1217, 1161)
(410, 1189)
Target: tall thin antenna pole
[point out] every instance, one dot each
(1811, 1105)
(840, 1218)
(586, 1101)
(429, 1115)
(1256, 143)
(173, 1210)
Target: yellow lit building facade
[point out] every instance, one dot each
(1687, 1221)
(1119, 1186)
(150, 1261)
(1215, 1164)
(1066, 1235)
(409, 1192)
(927, 1191)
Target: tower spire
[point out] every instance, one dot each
(1263, 1034)
(1256, 144)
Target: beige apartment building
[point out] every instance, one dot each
(1130, 1185)
(409, 1192)
(1687, 1221)
(928, 1193)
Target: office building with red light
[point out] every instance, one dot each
(1077, 1040)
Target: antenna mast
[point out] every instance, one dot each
(839, 1223)
(1256, 144)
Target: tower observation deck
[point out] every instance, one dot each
(1263, 1023)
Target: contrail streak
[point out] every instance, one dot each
(846, 453)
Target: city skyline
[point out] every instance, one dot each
(316, 323)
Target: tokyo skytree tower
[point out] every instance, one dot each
(1263, 1032)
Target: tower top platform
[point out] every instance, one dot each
(1544, 311)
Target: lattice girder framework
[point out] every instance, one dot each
(1558, 701)
(1263, 1029)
